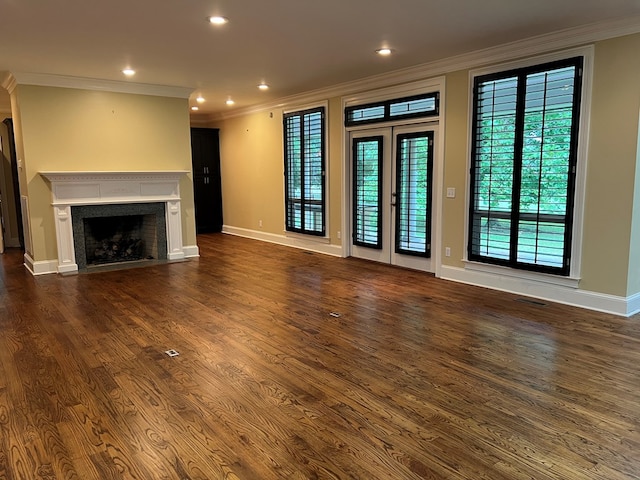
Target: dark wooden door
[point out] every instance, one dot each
(14, 178)
(207, 184)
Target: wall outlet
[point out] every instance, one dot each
(447, 251)
(339, 234)
(260, 223)
(451, 192)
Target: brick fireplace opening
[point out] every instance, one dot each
(108, 234)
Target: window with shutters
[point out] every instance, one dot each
(523, 166)
(304, 171)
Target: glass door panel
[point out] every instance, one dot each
(367, 158)
(371, 162)
(414, 164)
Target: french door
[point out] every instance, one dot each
(391, 195)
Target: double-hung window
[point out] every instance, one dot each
(304, 171)
(523, 166)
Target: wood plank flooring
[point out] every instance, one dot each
(417, 378)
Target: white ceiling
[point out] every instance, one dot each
(293, 45)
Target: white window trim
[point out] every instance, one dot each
(573, 279)
(326, 238)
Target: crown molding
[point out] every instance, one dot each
(532, 46)
(46, 80)
(8, 82)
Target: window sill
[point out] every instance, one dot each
(569, 282)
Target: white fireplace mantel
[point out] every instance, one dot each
(95, 188)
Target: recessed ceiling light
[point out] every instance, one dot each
(129, 72)
(229, 102)
(384, 51)
(200, 99)
(263, 86)
(218, 20)
(194, 108)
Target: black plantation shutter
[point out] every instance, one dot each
(523, 166)
(367, 192)
(414, 164)
(304, 171)
(493, 167)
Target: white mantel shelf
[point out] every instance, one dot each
(95, 188)
(89, 188)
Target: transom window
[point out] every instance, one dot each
(416, 106)
(523, 165)
(304, 171)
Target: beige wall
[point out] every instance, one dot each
(611, 169)
(455, 166)
(80, 130)
(252, 169)
(252, 165)
(251, 152)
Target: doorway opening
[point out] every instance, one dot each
(392, 201)
(11, 233)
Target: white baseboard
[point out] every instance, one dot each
(191, 251)
(40, 268)
(28, 262)
(51, 266)
(633, 304)
(625, 306)
(296, 242)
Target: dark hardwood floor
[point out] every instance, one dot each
(417, 378)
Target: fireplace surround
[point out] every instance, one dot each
(127, 191)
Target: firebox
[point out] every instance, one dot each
(115, 233)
